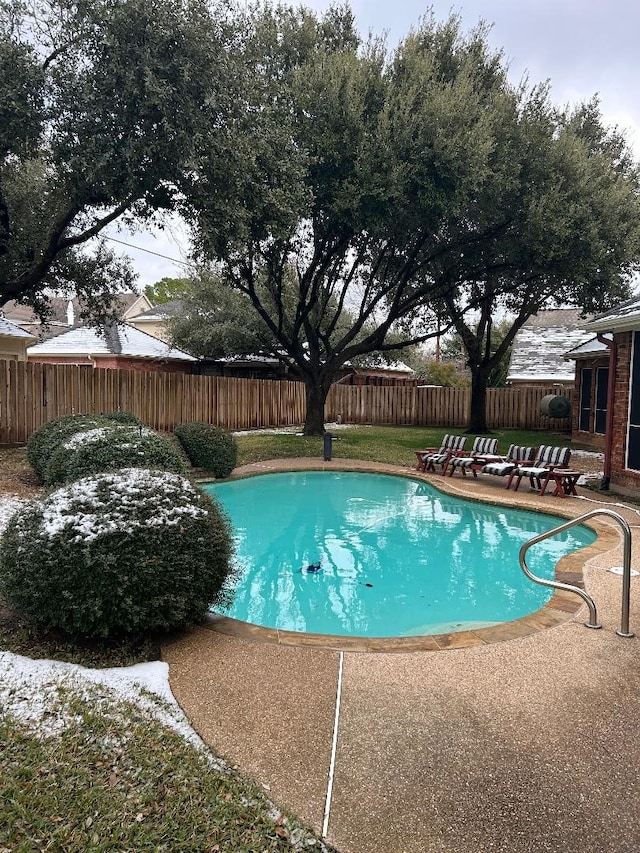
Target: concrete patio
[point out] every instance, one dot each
(481, 744)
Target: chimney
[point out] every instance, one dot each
(70, 313)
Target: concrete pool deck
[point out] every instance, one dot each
(530, 743)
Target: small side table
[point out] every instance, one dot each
(565, 481)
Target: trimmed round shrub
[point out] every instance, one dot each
(123, 418)
(109, 448)
(208, 447)
(42, 443)
(121, 553)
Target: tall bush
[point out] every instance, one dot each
(115, 554)
(208, 447)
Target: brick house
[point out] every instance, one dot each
(618, 330)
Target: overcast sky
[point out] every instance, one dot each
(583, 47)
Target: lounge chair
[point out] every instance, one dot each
(516, 455)
(429, 457)
(483, 450)
(548, 459)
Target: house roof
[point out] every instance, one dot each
(540, 345)
(116, 339)
(10, 330)
(163, 311)
(66, 312)
(588, 349)
(622, 318)
(373, 362)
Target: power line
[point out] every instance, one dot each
(149, 252)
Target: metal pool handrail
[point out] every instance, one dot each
(626, 568)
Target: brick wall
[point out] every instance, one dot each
(620, 477)
(118, 362)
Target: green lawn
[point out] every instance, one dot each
(394, 445)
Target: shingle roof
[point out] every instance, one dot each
(162, 311)
(591, 347)
(539, 347)
(24, 315)
(10, 330)
(622, 318)
(116, 339)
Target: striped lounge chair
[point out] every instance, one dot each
(432, 456)
(475, 458)
(516, 455)
(548, 459)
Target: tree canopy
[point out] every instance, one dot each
(166, 290)
(395, 187)
(100, 106)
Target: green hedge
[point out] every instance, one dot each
(43, 442)
(121, 553)
(208, 447)
(109, 448)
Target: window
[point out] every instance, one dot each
(633, 442)
(602, 388)
(586, 380)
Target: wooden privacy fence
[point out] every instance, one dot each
(507, 408)
(32, 394)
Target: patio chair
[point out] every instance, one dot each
(548, 459)
(483, 450)
(516, 455)
(429, 457)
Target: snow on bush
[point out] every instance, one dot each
(109, 448)
(117, 553)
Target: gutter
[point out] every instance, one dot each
(608, 430)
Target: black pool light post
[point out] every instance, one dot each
(328, 439)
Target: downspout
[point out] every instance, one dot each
(608, 430)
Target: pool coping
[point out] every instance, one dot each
(561, 607)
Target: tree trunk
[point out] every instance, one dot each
(478, 412)
(316, 397)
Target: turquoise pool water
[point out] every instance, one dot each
(381, 556)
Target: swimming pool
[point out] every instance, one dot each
(376, 555)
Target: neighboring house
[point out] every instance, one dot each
(14, 341)
(66, 313)
(372, 370)
(537, 354)
(117, 346)
(153, 321)
(269, 367)
(621, 326)
(376, 371)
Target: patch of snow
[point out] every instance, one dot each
(31, 689)
(588, 454)
(294, 430)
(86, 437)
(8, 505)
(69, 508)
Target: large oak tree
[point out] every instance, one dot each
(572, 240)
(101, 104)
(394, 188)
(349, 167)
